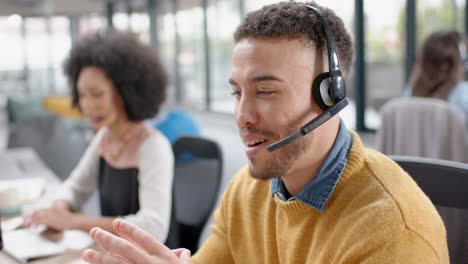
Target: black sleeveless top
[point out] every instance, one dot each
(118, 190)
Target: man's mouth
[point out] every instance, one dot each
(256, 143)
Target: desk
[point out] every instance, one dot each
(71, 257)
(21, 163)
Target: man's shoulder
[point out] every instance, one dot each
(384, 199)
(370, 190)
(392, 183)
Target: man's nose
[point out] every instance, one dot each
(246, 112)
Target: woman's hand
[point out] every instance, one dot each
(57, 217)
(62, 204)
(133, 246)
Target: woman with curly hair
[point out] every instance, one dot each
(117, 82)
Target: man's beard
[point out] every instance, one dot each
(281, 160)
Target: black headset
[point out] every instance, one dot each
(328, 89)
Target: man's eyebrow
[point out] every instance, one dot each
(259, 78)
(265, 77)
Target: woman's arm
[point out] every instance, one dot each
(86, 222)
(156, 166)
(78, 187)
(61, 218)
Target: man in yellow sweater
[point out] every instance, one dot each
(318, 198)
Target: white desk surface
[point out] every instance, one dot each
(24, 162)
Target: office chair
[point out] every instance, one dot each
(175, 123)
(446, 184)
(197, 180)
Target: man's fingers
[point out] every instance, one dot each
(185, 257)
(94, 257)
(179, 251)
(117, 246)
(92, 234)
(139, 237)
(115, 225)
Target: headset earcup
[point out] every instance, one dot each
(321, 91)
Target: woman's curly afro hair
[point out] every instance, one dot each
(132, 66)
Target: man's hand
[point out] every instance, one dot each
(133, 246)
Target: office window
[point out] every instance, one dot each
(191, 56)
(11, 40)
(39, 56)
(223, 18)
(252, 5)
(167, 50)
(385, 42)
(60, 45)
(121, 21)
(12, 62)
(439, 14)
(91, 23)
(140, 25)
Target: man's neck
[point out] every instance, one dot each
(306, 166)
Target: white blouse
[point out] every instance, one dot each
(155, 176)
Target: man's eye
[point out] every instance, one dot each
(265, 92)
(235, 93)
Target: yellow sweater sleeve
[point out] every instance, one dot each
(407, 247)
(216, 247)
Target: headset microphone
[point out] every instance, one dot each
(328, 89)
(316, 122)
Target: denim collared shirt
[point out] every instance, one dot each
(318, 190)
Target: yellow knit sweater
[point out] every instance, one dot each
(376, 214)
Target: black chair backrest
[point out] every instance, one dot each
(197, 180)
(446, 184)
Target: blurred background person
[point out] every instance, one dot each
(440, 68)
(117, 82)
(430, 123)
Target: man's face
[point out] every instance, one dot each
(272, 79)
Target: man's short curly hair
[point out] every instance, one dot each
(291, 20)
(132, 66)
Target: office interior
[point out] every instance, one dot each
(194, 41)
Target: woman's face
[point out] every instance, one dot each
(98, 98)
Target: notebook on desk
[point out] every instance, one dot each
(29, 244)
(26, 245)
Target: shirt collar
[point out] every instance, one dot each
(318, 190)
